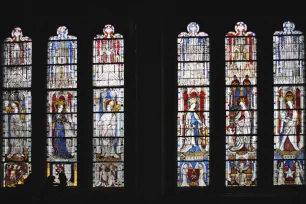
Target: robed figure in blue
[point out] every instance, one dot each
(58, 130)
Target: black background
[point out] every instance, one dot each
(150, 32)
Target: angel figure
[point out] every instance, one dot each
(193, 128)
(281, 178)
(299, 173)
(202, 177)
(184, 174)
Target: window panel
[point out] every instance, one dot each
(105, 173)
(15, 173)
(193, 107)
(62, 76)
(108, 75)
(69, 169)
(240, 73)
(101, 127)
(16, 109)
(66, 98)
(241, 172)
(62, 109)
(16, 150)
(108, 109)
(103, 149)
(197, 173)
(289, 172)
(289, 106)
(108, 100)
(193, 74)
(63, 149)
(17, 77)
(241, 107)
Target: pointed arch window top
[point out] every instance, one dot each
(288, 27)
(193, 31)
(240, 30)
(17, 49)
(17, 36)
(62, 34)
(108, 33)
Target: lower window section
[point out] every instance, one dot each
(241, 173)
(289, 172)
(69, 169)
(193, 174)
(15, 173)
(108, 174)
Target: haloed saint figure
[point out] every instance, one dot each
(241, 125)
(109, 125)
(15, 128)
(290, 142)
(193, 125)
(59, 123)
(289, 121)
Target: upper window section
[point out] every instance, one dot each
(108, 58)
(288, 55)
(193, 47)
(17, 71)
(62, 60)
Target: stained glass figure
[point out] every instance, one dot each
(17, 150)
(108, 109)
(241, 172)
(193, 107)
(108, 174)
(241, 107)
(289, 106)
(15, 173)
(16, 109)
(62, 109)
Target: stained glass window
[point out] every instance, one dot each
(241, 107)
(193, 107)
(289, 106)
(62, 106)
(16, 109)
(108, 109)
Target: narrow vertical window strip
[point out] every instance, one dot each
(289, 106)
(241, 107)
(62, 108)
(16, 109)
(193, 108)
(108, 109)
